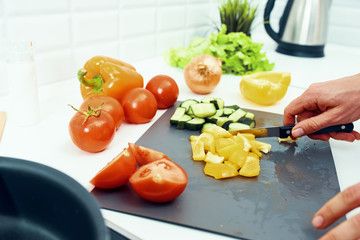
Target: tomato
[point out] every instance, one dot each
(139, 105)
(159, 181)
(117, 172)
(165, 90)
(110, 105)
(92, 131)
(144, 155)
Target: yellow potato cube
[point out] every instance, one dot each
(238, 157)
(251, 166)
(213, 158)
(220, 170)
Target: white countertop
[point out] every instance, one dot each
(49, 142)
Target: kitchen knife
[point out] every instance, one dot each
(285, 131)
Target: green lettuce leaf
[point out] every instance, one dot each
(239, 54)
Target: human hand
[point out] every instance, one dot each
(325, 104)
(336, 208)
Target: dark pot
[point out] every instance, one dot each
(39, 202)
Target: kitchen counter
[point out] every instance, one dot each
(48, 142)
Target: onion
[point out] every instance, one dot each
(203, 73)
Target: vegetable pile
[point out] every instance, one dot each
(239, 54)
(113, 92)
(228, 155)
(200, 115)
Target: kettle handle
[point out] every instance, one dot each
(268, 8)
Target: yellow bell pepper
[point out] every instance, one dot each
(265, 88)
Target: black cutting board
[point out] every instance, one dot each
(295, 181)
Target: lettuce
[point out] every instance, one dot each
(239, 54)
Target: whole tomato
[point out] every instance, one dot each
(159, 181)
(139, 105)
(144, 155)
(117, 172)
(92, 130)
(165, 90)
(108, 104)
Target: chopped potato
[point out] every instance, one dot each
(228, 155)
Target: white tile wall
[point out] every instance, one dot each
(68, 32)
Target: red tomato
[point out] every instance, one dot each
(159, 181)
(93, 134)
(165, 90)
(144, 155)
(110, 105)
(139, 105)
(117, 172)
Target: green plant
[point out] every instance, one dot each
(237, 15)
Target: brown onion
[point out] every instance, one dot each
(203, 73)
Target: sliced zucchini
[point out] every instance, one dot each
(206, 126)
(221, 120)
(228, 111)
(195, 124)
(179, 112)
(219, 103)
(250, 115)
(247, 121)
(203, 110)
(235, 107)
(187, 103)
(237, 126)
(182, 121)
(235, 116)
(207, 99)
(226, 124)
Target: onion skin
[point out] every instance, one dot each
(203, 73)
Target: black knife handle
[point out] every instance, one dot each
(336, 128)
(285, 131)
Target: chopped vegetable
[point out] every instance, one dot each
(227, 155)
(199, 115)
(239, 54)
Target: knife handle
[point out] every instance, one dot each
(336, 128)
(285, 131)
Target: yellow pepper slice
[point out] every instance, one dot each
(265, 88)
(220, 170)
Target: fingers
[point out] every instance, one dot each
(349, 229)
(337, 207)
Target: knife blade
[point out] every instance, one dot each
(285, 131)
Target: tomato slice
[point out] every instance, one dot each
(159, 181)
(117, 172)
(144, 155)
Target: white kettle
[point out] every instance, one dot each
(302, 27)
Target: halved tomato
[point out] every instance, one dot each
(144, 155)
(117, 172)
(159, 181)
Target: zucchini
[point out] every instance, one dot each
(187, 103)
(199, 115)
(235, 116)
(235, 107)
(237, 126)
(179, 112)
(228, 111)
(206, 126)
(250, 115)
(203, 110)
(182, 121)
(195, 124)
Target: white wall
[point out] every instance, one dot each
(68, 32)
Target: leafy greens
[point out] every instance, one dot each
(239, 54)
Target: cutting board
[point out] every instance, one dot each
(295, 180)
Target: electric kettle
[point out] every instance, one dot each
(302, 27)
